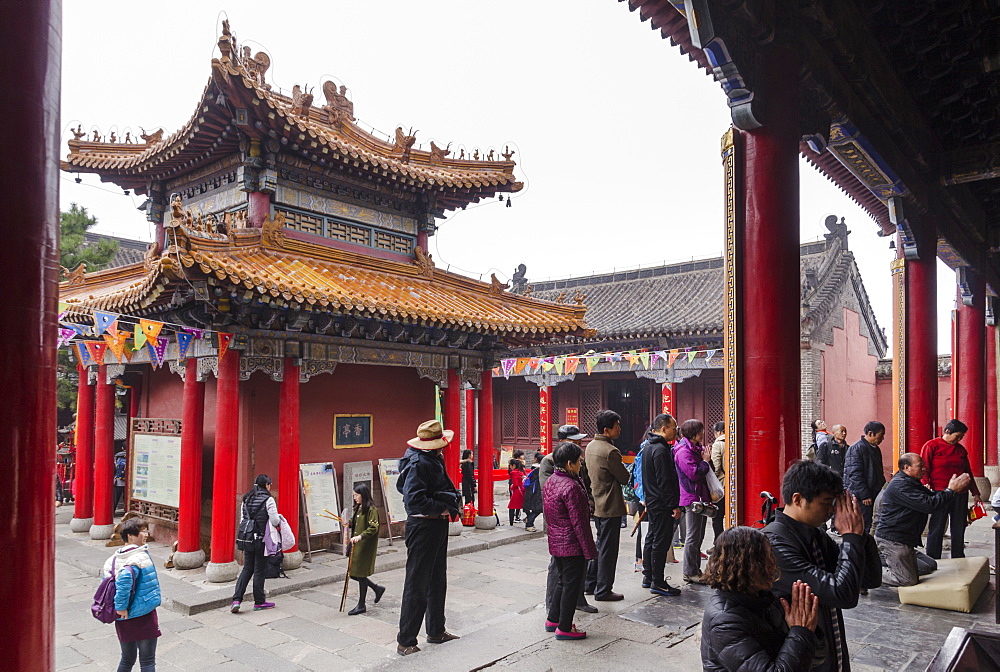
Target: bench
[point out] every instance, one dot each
(956, 585)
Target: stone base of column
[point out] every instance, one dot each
(292, 560)
(222, 572)
(189, 559)
(80, 524)
(455, 529)
(992, 473)
(985, 486)
(486, 522)
(101, 531)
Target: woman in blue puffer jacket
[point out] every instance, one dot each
(137, 624)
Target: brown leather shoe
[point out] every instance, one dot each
(609, 597)
(406, 650)
(442, 638)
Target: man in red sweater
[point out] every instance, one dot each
(945, 458)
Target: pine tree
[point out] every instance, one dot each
(72, 250)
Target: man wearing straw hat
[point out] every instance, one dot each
(430, 499)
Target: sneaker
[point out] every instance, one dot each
(586, 608)
(406, 650)
(442, 638)
(572, 634)
(379, 590)
(646, 582)
(695, 578)
(530, 529)
(550, 626)
(263, 605)
(703, 556)
(679, 545)
(665, 589)
(234, 608)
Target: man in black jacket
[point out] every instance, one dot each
(430, 499)
(863, 473)
(832, 452)
(903, 513)
(662, 493)
(836, 575)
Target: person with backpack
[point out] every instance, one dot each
(634, 499)
(136, 597)
(120, 466)
(515, 483)
(364, 546)
(532, 505)
(257, 512)
(661, 494)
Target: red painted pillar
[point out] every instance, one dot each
(104, 456)
(31, 37)
(991, 396)
(470, 419)
(485, 519)
(288, 447)
(545, 418)
(770, 283)
(189, 554)
(921, 344)
(222, 566)
(970, 387)
(258, 208)
(423, 240)
(453, 421)
(667, 399)
(83, 467)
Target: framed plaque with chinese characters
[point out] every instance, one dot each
(352, 431)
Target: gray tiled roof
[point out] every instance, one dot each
(675, 299)
(129, 251)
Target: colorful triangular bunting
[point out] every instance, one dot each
(224, 341)
(183, 343)
(103, 322)
(96, 350)
(150, 328)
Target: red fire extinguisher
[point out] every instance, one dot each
(469, 515)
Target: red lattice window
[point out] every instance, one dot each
(507, 414)
(524, 414)
(591, 401)
(714, 409)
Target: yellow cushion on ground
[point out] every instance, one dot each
(956, 585)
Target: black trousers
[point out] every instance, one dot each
(957, 512)
(570, 578)
(658, 539)
(601, 572)
(426, 582)
(718, 523)
(119, 497)
(866, 514)
(254, 565)
(552, 581)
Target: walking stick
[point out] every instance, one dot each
(638, 522)
(347, 578)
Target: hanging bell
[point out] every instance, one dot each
(500, 198)
(509, 201)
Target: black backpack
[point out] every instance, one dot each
(246, 533)
(120, 468)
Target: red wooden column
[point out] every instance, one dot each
(667, 404)
(222, 566)
(470, 419)
(31, 37)
(970, 362)
(486, 520)
(104, 456)
(770, 284)
(83, 468)
(189, 554)
(921, 343)
(453, 421)
(288, 456)
(545, 418)
(991, 395)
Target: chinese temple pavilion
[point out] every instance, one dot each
(290, 244)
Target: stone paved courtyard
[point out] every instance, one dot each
(494, 598)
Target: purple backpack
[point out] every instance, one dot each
(103, 607)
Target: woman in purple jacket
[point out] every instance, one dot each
(571, 543)
(693, 466)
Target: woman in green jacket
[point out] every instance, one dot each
(364, 539)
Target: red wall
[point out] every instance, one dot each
(396, 397)
(848, 383)
(883, 391)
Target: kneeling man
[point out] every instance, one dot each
(906, 503)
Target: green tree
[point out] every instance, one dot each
(73, 225)
(72, 250)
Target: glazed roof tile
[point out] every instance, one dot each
(324, 279)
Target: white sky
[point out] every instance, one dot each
(616, 133)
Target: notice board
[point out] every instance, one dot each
(156, 469)
(319, 489)
(388, 471)
(354, 473)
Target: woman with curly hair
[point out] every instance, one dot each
(744, 627)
